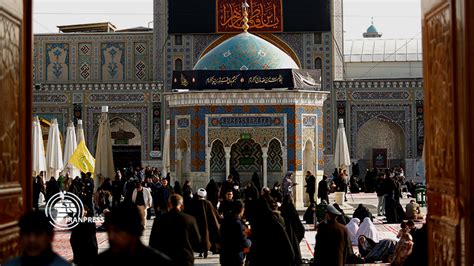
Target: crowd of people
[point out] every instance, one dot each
(337, 233)
(250, 224)
(240, 223)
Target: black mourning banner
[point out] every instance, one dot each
(306, 15)
(191, 16)
(246, 79)
(199, 16)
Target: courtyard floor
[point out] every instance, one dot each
(61, 240)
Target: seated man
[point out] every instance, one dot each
(413, 211)
(36, 236)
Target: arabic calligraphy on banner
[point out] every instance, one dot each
(250, 121)
(223, 80)
(264, 15)
(266, 80)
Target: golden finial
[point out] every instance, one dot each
(245, 6)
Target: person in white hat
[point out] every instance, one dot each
(207, 220)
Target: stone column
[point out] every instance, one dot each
(208, 164)
(284, 157)
(227, 161)
(299, 190)
(179, 163)
(264, 165)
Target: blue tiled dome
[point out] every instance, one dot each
(245, 51)
(372, 29)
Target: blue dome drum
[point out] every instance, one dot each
(245, 51)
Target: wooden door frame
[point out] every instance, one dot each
(448, 26)
(16, 185)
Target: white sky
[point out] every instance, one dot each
(394, 18)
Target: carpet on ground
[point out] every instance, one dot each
(62, 246)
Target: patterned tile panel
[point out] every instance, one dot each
(113, 61)
(217, 157)
(275, 159)
(57, 62)
(386, 95)
(141, 61)
(420, 128)
(85, 49)
(116, 97)
(293, 130)
(50, 98)
(156, 124)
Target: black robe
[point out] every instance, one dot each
(333, 245)
(176, 234)
(323, 190)
(84, 243)
(294, 228)
(270, 242)
(212, 192)
(208, 221)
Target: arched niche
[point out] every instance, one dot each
(378, 134)
(246, 158)
(217, 160)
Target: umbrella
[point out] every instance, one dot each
(39, 160)
(342, 158)
(69, 148)
(166, 150)
(79, 132)
(54, 155)
(104, 162)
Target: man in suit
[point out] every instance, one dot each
(333, 245)
(323, 189)
(310, 186)
(175, 233)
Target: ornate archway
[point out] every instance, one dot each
(309, 157)
(217, 161)
(246, 158)
(183, 161)
(274, 161)
(375, 134)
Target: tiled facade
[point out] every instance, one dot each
(390, 102)
(74, 74)
(77, 73)
(306, 46)
(205, 119)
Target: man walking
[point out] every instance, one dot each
(233, 238)
(175, 233)
(117, 189)
(380, 189)
(207, 220)
(323, 189)
(141, 197)
(163, 193)
(310, 185)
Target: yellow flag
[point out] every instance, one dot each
(82, 158)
